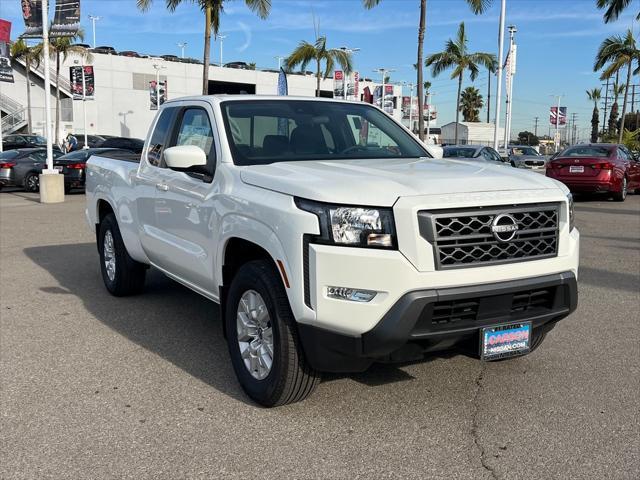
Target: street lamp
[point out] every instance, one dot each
(94, 19)
(221, 37)
(279, 58)
(411, 86)
(181, 46)
(84, 107)
(349, 51)
(383, 71)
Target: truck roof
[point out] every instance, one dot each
(252, 97)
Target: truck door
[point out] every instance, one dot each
(185, 216)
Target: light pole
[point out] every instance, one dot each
(158, 67)
(221, 37)
(503, 14)
(556, 140)
(279, 58)
(410, 85)
(94, 19)
(181, 46)
(349, 51)
(511, 70)
(383, 71)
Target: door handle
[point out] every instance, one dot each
(162, 186)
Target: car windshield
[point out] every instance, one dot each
(456, 152)
(519, 151)
(588, 151)
(269, 131)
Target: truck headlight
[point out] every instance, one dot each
(572, 213)
(352, 226)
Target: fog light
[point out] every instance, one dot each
(351, 294)
(380, 240)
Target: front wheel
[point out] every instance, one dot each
(263, 342)
(121, 274)
(32, 182)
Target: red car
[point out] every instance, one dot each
(597, 168)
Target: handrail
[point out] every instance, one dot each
(62, 81)
(10, 104)
(13, 119)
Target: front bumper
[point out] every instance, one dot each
(443, 319)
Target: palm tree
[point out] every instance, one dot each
(31, 55)
(213, 10)
(594, 95)
(457, 56)
(470, 104)
(59, 49)
(612, 124)
(478, 7)
(615, 53)
(318, 53)
(613, 8)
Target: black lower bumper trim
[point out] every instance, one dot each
(415, 324)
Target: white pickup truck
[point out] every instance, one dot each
(331, 239)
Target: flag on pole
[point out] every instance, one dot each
(67, 19)
(283, 87)
(553, 114)
(32, 15)
(6, 72)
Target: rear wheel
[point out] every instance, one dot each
(622, 194)
(262, 338)
(121, 274)
(31, 182)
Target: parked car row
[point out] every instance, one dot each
(15, 141)
(518, 156)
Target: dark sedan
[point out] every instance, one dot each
(22, 167)
(133, 144)
(73, 166)
(93, 141)
(11, 142)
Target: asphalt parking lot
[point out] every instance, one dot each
(142, 387)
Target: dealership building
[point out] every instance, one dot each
(121, 105)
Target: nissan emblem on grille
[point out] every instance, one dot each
(504, 227)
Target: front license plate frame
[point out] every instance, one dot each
(58, 168)
(576, 169)
(505, 341)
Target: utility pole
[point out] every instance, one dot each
(556, 140)
(511, 70)
(535, 127)
(221, 37)
(383, 71)
(181, 46)
(94, 19)
(489, 99)
(503, 14)
(573, 127)
(428, 115)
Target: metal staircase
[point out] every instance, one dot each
(16, 115)
(65, 86)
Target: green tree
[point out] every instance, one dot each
(213, 10)
(613, 8)
(470, 104)
(456, 56)
(478, 7)
(595, 95)
(318, 52)
(528, 138)
(31, 56)
(615, 53)
(60, 48)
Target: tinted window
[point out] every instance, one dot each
(455, 152)
(588, 151)
(524, 151)
(195, 129)
(79, 155)
(159, 137)
(268, 131)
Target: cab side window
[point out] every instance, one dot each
(194, 128)
(159, 137)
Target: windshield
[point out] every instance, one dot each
(455, 152)
(588, 151)
(269, 131)
(519, 151)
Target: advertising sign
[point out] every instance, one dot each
(338, 84)
(82, 82)
(156, 91)
(553, 114)
(6, 72)
(386, 103)
(356, 86)
(283, 87)
(89, 82)
(67, 19)
(32, 15)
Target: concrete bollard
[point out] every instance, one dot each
(51, 188)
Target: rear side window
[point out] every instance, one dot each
(159, 137)
(588, 151)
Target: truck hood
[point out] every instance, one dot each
(381, 181)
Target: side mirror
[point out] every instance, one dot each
(184, 157)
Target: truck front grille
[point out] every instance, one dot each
(467, 238)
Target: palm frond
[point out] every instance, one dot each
(261, 7)
(302, 55)
(344, 58)
(613, 9)
(479, 6)
(369, 4)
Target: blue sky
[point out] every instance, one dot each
(557, 40)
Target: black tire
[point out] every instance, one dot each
(31, 182)
(536, 341)
(128, 277)
(290, 378)
(621, 196)
(67, 190)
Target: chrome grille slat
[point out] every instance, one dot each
(464, 238)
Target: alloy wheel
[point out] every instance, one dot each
(109, 254)
(255, 334)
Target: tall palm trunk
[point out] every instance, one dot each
(458, 106)
(207, 51)
(421, 29)
(57, 135)
(317, 77)
(489, 99)
(595, 120)
(28, 67)
(624, 104)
